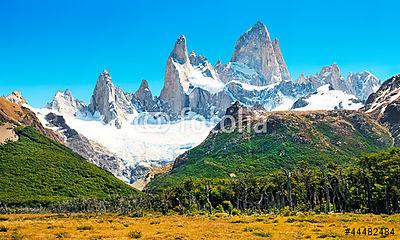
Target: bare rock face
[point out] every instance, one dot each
(255, 49)
(175, 78)
(282, 64)
(110, 102)
(16, 97)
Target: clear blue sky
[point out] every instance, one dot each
(49, 45)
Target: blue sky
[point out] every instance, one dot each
(49, 45)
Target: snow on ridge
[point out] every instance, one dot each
(326, 98)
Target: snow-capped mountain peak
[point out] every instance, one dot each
(64, 103)
(327, 98)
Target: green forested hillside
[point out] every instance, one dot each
(37, 169)
(317, 138)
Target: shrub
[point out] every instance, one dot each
(84, 228)
(3, 229)
(135, 234)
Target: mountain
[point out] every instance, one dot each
(130, 133)
(384, 106)
(359, 84)
(256, 51)
(16, 97)
(265, 141)
(109, 102)
(21, 115)
(363, 84)
(36, 169)
(327, 98)
(183, 76)
(64, 103)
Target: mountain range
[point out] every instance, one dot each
(129, 134)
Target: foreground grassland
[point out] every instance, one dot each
(106, 226)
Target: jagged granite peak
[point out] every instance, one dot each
(279, 57)
(363, 84)
(65, 104)
(180, 53)
(110, 102)
(218, 65)
(144, 96)
(302, 79)
(255, 49)
(329, 75)
(16, 97)
(183, 75)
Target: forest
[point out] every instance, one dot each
(370, 185)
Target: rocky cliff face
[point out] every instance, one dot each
(256, 50)
(176, 82)
(384, 106)
(109, 102)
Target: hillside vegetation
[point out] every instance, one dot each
(36, 169)
(317, 138)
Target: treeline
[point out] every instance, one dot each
(370, 185)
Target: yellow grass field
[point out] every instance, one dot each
(109, 226)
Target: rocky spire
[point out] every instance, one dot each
(179, 53)
(65, 103)
(281, 61)
(110, 102)
(176, 82)
(16, 97)
(255, 49)
(302, 79)
(143, 94)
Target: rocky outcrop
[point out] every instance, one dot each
(256, 50)
(16, 97)
(384, 106)
(109, 102)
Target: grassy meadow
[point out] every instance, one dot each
(110, 226)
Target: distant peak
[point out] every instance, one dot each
(16, 97)
(105, 72)
(259, 29)
(275, 41)
(144, 84)
(179, 53)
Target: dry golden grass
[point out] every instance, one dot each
(107, 226)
